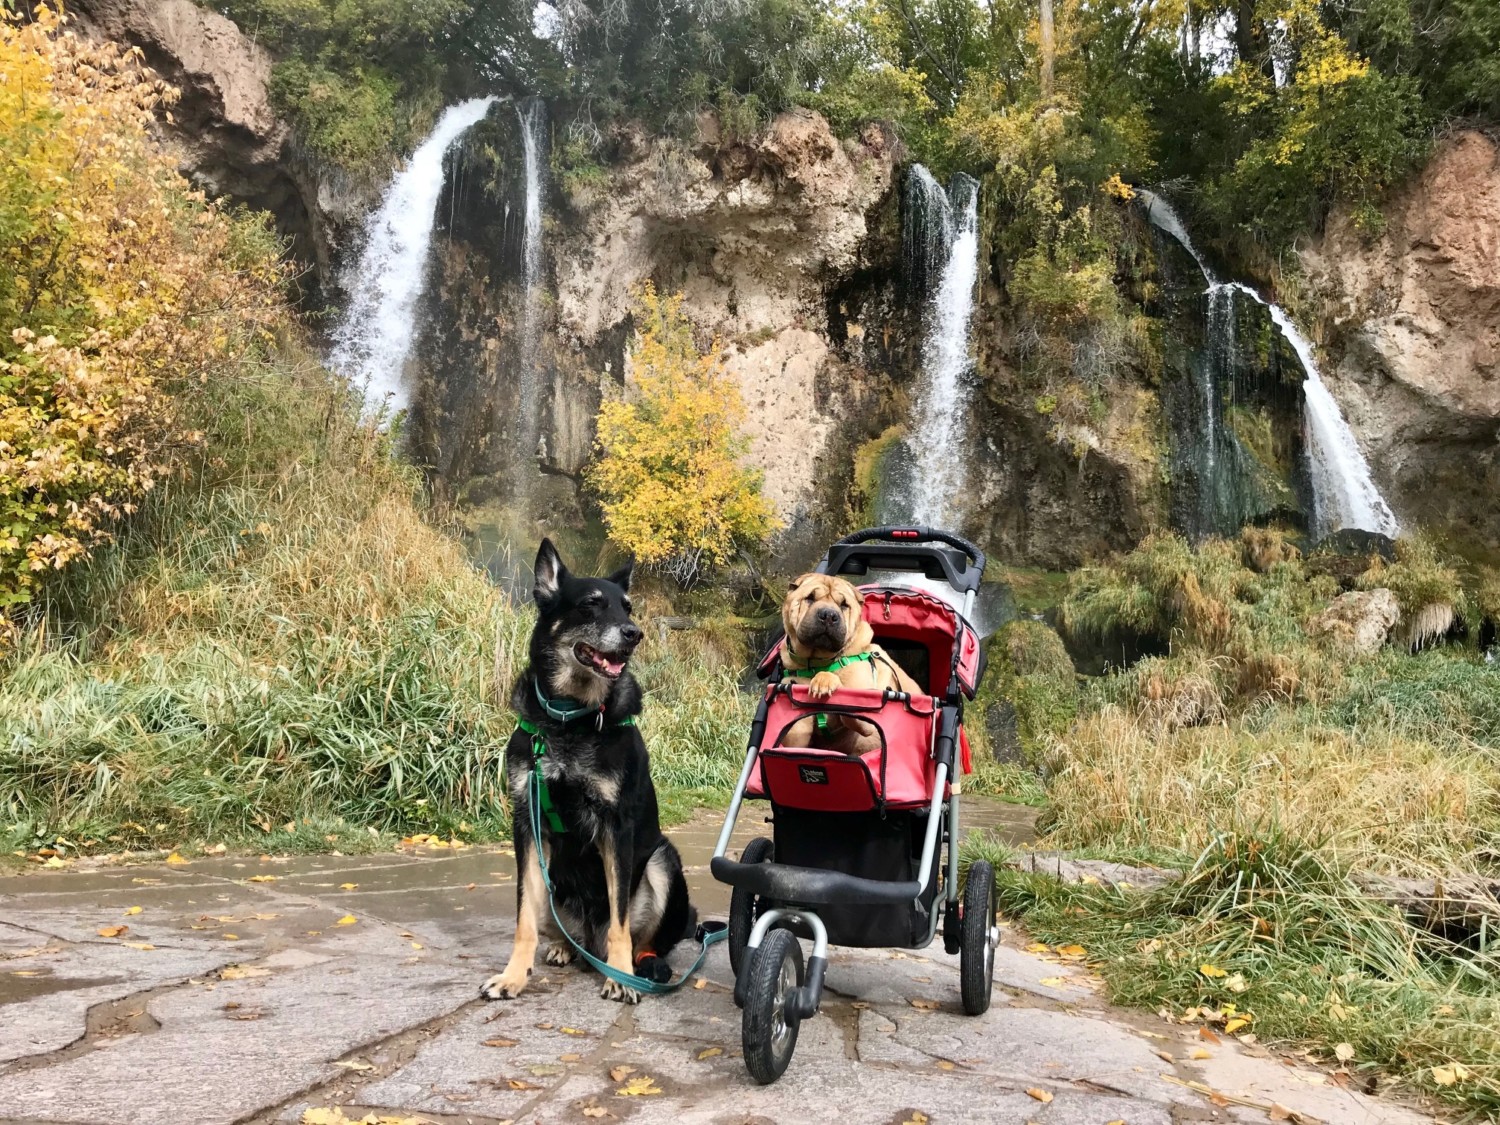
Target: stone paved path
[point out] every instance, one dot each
(243, 992)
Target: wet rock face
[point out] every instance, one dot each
(753, 232)
(1413, 320)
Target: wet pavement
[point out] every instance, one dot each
(256, 989)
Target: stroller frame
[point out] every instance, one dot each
(784, 900)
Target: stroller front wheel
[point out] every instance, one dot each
(770, 1023)
(976, 961)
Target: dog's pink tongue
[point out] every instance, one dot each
(613, 668)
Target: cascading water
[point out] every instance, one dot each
(942, 239)
(1344, 492)
(533, 117)
(375, 334)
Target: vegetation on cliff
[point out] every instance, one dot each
(120, 291)
(669, 475)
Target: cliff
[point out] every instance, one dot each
(1412, 320)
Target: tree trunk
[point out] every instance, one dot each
(1049, 47)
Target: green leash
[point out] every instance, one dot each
(832, 666)
(709, 933)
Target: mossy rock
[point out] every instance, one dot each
(1030, 691)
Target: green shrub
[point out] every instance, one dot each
(345, 119)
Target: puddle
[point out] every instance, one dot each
(14, 987)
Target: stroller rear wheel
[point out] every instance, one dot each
(742, 904)
(768, 1029)
(976, 963)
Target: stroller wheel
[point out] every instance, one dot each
(976, 963)
(742, 905)
(768, 1029)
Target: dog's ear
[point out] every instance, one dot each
(801, 578)
(621, 577)
(550, 573)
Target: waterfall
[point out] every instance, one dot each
(533, 118)
(942, 239)
(375, 334)
(1344, 491)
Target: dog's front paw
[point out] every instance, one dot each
(503, 986)
(822, 685)
(614, 990)
(559, 953)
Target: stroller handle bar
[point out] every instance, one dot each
(897, 533)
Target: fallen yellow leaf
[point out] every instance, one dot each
(709, 1052)
(700, 983)
(112, 931)
(1235, 1024)
(1200, 1053)
(240, 972)
(944, 1064)
(347, 886)
(1071, 951)
(1236, 983)
(521, 1084)
(177, 861)
(129, 910)
(1038, 947)
(925, 1005)
(1212, 971)
(1040, 1095)
(1052, 982)
(571, 1031)
(139, 944)
(642, 1087)
(500, 1041)
(917, 1118)
(595, 1111)
(346, 920)
(355, 1064)
(1344, 1052)
(571, 1057)
(263, 878)
(618, 1073)
(231, 937)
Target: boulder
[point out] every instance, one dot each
(1358, 622)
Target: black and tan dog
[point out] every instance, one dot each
(829, 644)
(618, 882)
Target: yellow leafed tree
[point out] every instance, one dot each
(668, 473)
(120, 289)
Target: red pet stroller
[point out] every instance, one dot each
(856, 857)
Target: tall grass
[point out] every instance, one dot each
(283, 638)
(1272, 932)
(1388, 803)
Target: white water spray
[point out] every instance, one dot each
(533, 117)
(375, 334)
(1344, 491)
(940, 414)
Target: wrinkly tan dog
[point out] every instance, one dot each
(830, 645)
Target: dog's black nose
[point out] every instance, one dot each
(827, 615)
(632, 634)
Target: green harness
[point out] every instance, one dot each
(832, 666)
(709, 933)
